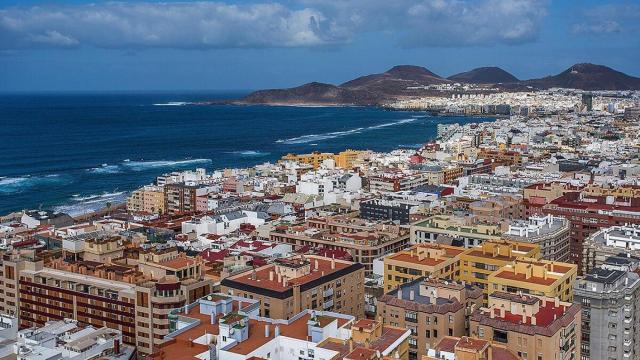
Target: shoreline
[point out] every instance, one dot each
(66, 205)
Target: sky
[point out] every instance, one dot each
(77, 45)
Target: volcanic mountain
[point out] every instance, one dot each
(484, 75)
(588, 77)
(405, 81)
(365, 90)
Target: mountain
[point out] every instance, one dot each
(406, 81)
(395, 81)
(484, 75)
(588, 77)
(371, 89)
(313, 93)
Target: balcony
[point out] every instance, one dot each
(327, 304)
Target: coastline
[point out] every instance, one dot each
(241, 138)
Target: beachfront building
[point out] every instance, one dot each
(287, 286)
(148, 199)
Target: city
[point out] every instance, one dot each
(319, 180)
(514, 238)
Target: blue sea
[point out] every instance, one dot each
(75, 152)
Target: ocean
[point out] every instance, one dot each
(75, 152)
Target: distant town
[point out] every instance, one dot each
(517, 238)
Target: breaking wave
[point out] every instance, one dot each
(335, 134)
(17, 184)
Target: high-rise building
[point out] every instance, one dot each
(134, 299)
(587, 101)
(610, 302)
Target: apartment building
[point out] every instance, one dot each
(481, 261)
(497, 208)
(431, 309)
(387, 209)
(394, 182)
(588, 214)
(610, 302)
(453, 230)
(148, 199)
(364, 240)
(532, 327)
(422, 260)
(287, 286)
(550, 232)
(227, 327)
(468, 348)
(133, 296)
(535, 277)
(345, 159)
(612, 242)
(504, 157)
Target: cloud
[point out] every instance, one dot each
(420, 23)
(174, 25)
(301, 23)
(608, 19)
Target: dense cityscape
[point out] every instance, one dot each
(517, 238)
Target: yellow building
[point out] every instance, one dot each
(535, 277)
(481, 261)
(344, 159)
(436, 260)
(148, 199)
(314, 159)
(347, 158)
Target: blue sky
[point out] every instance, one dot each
(182, 45)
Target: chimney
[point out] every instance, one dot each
(556, 302)
(350, 345)
(333, 263)
(533, 321)
(213, 318)
(399, 293)
(315, 263)
(502, 312)
(276, 331)
(266, 330)
(492, 313)
(524, 318)
(270, 275)
(411, 294)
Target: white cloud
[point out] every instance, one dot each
(609, 19)
(301, 23)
